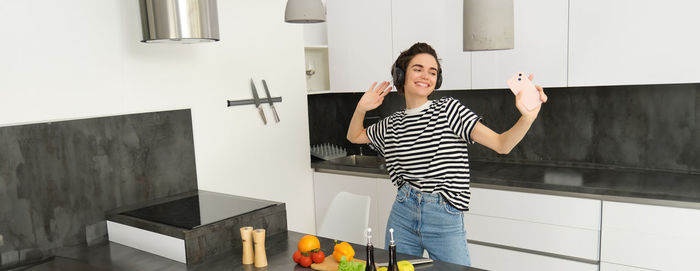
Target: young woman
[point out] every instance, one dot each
(425, 147)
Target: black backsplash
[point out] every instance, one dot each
(651, 127)
(58, 179)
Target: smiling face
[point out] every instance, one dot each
(421, 75)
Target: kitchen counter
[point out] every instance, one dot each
(635, 186)
(279, 250)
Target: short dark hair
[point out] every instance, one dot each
(406, 56)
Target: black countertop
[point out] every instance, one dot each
(586, 182)
(279, 250)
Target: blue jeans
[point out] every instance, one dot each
(426, 221)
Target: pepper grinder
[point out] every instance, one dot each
(392, 253)
(369, 266)
(247, 238)
(259, 243)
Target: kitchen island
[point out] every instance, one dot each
(279, 250)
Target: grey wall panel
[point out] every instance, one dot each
(58, 178)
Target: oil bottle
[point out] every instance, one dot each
(392, 253)
(369, 266)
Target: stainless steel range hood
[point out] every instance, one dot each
(488, 25)
(179, 21)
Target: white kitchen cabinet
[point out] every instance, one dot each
(565, 226)
(560, 225)
(492, 258)
(540, 47)
(327, 185)
(315, 34)
(628, 42)
(438, 23)
(651, 237)
(618, 267)
(359, 43)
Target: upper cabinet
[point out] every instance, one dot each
(563, 43)
(633, 42)
(438, 23)
(540, 47)
(359, 43)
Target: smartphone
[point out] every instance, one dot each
(520, 83)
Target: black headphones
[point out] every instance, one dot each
(399, 76)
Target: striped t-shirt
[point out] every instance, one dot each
(426, 147)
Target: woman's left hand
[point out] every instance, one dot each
(530, 114)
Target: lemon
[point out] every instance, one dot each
(404, 266)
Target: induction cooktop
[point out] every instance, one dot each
(198, 210)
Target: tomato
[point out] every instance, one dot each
(318, 257)
(297, 256)
(305, 261)
(309, 243)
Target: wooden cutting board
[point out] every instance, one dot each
(329, 264)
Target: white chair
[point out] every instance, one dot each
(347, 218)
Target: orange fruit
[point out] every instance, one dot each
(308, 243)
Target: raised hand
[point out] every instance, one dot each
(523, 110)
(374, 97)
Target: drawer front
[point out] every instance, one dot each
(652, 237)
(545, 209)
(492, 258)
(568, 241)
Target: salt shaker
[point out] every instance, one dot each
(259, 244)
(247, 238)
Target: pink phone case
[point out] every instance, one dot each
(531, 97)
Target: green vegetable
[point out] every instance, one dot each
(344, 265)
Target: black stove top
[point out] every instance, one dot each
(198, 210)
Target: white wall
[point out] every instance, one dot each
(74, 59)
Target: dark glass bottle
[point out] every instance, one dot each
(370, 265)
(392, 253)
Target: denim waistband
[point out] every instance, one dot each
(412, 192)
